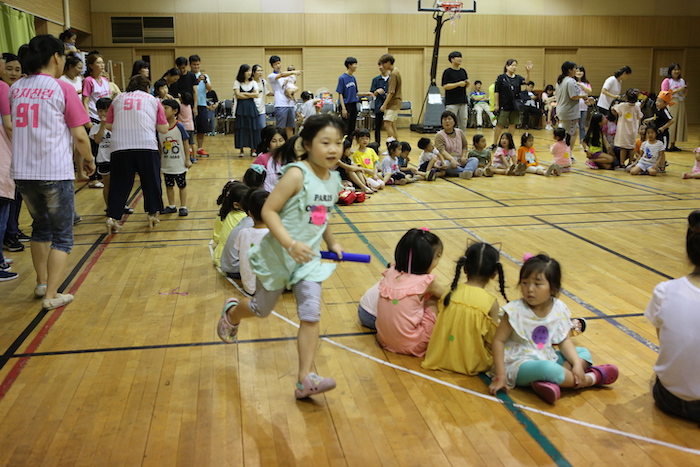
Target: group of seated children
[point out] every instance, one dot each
(466, 331)
(611, 140)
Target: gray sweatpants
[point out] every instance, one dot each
(306, 293)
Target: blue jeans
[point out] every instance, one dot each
(471, 165)
(547, 370)
(366, 318)
(4, 214)
(51, 205)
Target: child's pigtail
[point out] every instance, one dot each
(501, 280)
(458, 271)
(568, 139)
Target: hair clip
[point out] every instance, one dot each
(527, 256)
(425, 229)
(260, 169)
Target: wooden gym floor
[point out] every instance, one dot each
(132, 372)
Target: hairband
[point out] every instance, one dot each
(527, 256)
(425, 229)
(259, 169)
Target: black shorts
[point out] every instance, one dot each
(171, 179)
(203, 120)
(191, 138)
(398, 176)
(103, 168)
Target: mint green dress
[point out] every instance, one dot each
(305, 216)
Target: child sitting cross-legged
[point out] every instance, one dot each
(251, 236)
(527, 156)
(431, 162)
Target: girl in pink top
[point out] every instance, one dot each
(47, 117)
(94, 85)
(679, 89)
(561, 150)
(408, 294)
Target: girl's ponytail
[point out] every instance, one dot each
(501, 280)
(455, 282)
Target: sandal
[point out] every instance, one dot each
(313, 384)
(578, 326)
(227, 331)
(549, 392)
(604, 374)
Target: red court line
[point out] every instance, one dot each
(43, 332)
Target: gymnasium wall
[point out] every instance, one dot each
(319, 43)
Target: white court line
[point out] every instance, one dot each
(478, 394)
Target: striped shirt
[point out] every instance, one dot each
(134, 116)
(44, 110)
(95, 90)
(4, 98)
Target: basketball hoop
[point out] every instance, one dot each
(453, 9)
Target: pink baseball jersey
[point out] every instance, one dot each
(134, 116)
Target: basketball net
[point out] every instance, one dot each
(453, 9)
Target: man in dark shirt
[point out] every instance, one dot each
(455, 82)
(379, 88)
(187, 82)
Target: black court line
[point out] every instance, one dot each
(627, 315)
(183, 345)
(475, 192)
(10, 352)
(609, 250)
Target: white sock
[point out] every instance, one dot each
(183, 207)
(172, 206)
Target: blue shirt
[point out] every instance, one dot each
(347, 87)
(201, 91)
(378, 82)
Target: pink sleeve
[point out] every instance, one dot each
(4, 99)
(665, 85)
(262, 159)
(160, 118)
(110, 115)
(87, 86)
(75, 114)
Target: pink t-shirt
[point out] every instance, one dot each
(134, 116)
(404, 325)
(185, 117)
(561, 153)
(500, 156)
(44, 110)
(95, 90)
(628, 117)
(4, 98)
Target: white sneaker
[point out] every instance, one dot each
(548, 127)
(61, 300)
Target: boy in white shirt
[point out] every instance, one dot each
(174, 150)
(102, 137)
(249, 237)
(431, 161)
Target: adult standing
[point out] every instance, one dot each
(506, 90)
(171, 77)
(141, 67)
(203, 116)
(585, 89)
(7, 185)
(284, 106)
(260, 100)
(348, 95)
(95, 87)
(42, 162)
(72, 74)
(133, 119)
(612, 89)
(246, 126)
(568, 97)
(379, 88)
(186, 83)
(455, 82)
(392, 104)
(679, 89)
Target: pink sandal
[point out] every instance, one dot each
(549, 392)
(604, 374)
(227, 331)
(313, 384)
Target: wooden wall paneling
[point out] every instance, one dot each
(161, 60)
(527, 30)
(415, 80)
(366, 30)
(319, 30)
(663, 58)
(323, 66)
(482, 29)
(560, 31)
(101, 30)
(200, 29)
(124, 55)
(486, 63)
(290, 56)
(238, 29)
(47, 9)
(80, 15)
(410, 30)
(691, 71)
(553, 59)
(222, 63)
(286, 29)
(598, 31)
(602, 62)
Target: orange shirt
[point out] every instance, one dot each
(527, 155)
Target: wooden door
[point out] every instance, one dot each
(411, 63)
(161, 60)
(662, 59)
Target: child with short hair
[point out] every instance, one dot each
(561, 150)
(404, 159)
(673, 311)
(652, 151)
(523, 347)
(431, 162)
(408, 294)
(663, 120)
(390, 166)
(251, 236)
(628, 117)
(102, 137)
(505, 159)
(366, 157)
(483, 154)
(174, 158)
(468, 315)
(161, 90)
(696, 168)
(527, 156)
(297, 213)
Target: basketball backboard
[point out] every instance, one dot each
(468, 6)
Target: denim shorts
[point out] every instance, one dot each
(51, 205)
